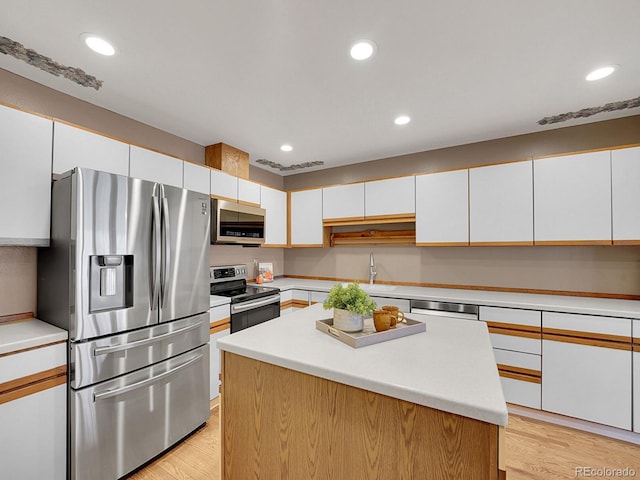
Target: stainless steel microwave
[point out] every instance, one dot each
(236, 224)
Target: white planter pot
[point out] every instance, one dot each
(347, 321)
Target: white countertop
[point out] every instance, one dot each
(449, 367)
(551, 303)
(217, 300)
(22, 334)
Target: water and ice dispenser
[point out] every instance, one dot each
(111, 282)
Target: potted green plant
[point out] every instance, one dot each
(350, 305)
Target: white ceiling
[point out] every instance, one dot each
(259, 73)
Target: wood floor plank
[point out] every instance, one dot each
(535, 450)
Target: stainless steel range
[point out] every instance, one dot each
(127, 276)
(250, 304)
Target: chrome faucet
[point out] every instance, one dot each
(372, 269)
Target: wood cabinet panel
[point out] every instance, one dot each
(155, 167)
(501, 203)
(75, 147)
(572, 198)
(442, 208)
(625, 194)
(25, 183)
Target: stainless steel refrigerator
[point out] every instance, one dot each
(127, 275)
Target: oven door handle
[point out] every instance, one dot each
(119, 391)
(140, 343)
(244, 306)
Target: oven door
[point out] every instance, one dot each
(252, 312)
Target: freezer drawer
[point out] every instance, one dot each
(97, 360)
(118, 425)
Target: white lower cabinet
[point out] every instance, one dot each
(520, 377)
(586, 368)
(636, 376)
(33, 426)
(219, 318)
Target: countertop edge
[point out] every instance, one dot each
(28, 334)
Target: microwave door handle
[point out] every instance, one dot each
(155, 249)
(119, 391)
(166, 249)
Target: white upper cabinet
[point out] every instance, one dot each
(393, 196)
(248, 192)
(501, 204)
(636, 376)
(572, 198)
(275, 203)
(25, 183)
(625, 194)
(343, 201)
(442, 208)
(197, 178)
(306, 218)
(223, 185)
(155, 167)
(75, 147)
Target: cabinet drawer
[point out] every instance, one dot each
(511, 316)
(617, 327)
(286, 295)
(32, 362)
(219, 316)
(522, 393)
(515, 343)
(519, 360)
(318, 297)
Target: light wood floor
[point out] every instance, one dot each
(535, 450)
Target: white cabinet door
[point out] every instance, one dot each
(155, 167)
(75, 147)
(636, 376)
(393, 196)
(306, 218)
(223, 185)
(248, 192)
(197, 178)
(572, 198)
(520, 375)
(25, 183)
(275, 203)
(625, 194)
(343, 202)
(501, 204)
(442, 208)
(583, 376)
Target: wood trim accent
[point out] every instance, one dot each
(502, 448)
(16, 317)
(587, 338)
(274, 245)
(251, 204)
(220, 197)
(394, 218)
(636, 347)
(219, 328)
(307, 245)
(442, 244)
(562, 243)
(515, 333)
(334, 222)
(293, 303)
(222, 321)
(635, 341)
(32, 348)
(521, 370)
(372, 220)
(374, 237)
(513, 326)
(617, 296)
(324, 429)
(22, 387)
(506, 162)
(519, 376)
(626, 242)
(501, 244)
(573, 153)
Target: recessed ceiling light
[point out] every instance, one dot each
(402, 120)
(362, 49)
(98, 45)
(286, 148)
(601, 73)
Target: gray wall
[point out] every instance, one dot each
(611, 270)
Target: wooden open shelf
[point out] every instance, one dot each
(374, 237)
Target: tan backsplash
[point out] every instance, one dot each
(18, 270)
(613, 270)
(236, 254)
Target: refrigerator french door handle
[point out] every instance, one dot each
(155, 249)
(119, 391)
(166, 248)
(140, 343)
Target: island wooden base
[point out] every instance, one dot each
(280, 424)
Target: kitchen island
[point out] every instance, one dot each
(297, 403)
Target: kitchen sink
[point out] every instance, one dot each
(378, 288)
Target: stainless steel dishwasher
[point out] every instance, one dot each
(445, 309)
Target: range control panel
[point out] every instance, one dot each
(225, 273)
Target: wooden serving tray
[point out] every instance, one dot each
(368, 335)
